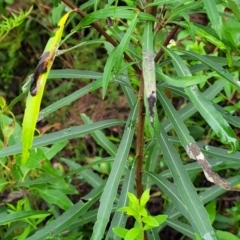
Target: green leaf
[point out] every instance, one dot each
(205, 107)
(226, 235)
(67, 100)
(89, 165)
(178, 124)
(233, 120)
(215, 67)
(3, 182)
(110, 190)
(119, 34)
(128, 210)
(151, 221)
(198, 216)
(132, 234)
(143, 212)
(56, 2)
(119, 219)
(115, 59)
(96, 2)
(151, 163)
(211, 209)
(161, 2)
(216, 164)
(181, 227)
(56, 13)
(9, 23)
(172, 192)
(56, 197)
(65, 187)
(207, 33)
(180, 81)
(66, 219)
(120, 232)
(187, 141)
(91, 177)
(48, 167)
(36, 158)
(65, 134)
(100, 138)
(37, 88)
(128, 91)
(119, 12)
(13, 217)
(180, 9)
(230, 31)
(56, 147)
(233, 6)
(73, 73)
(147, 227)
(190, 109)
(210, 36)
(145, 197)
(205, 196)
(197, 237)
(213, 118)
(213, 15)
(133, 200)
(161, 218)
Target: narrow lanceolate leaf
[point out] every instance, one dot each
(213, 118)
(213, 15)
(18, 216)
(65, 220)
(149, 76)
(204, 106)
(119, 12)
(65, 134)
(190, 145)
(198, 217)
(110, 190)
(100, 138)
(120, 218)
(179, 81)
(232, 4)
(215, 67)
(114, 62)
(178, 124)
(37, 88)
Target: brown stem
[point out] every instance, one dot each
(140, 139)
(102, 32)
(166, 42)
(151, 10)
(140, 129)
(140, 143)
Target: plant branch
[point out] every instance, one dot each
(140, 139)
(140, 143)
(102, 32)
(166, 42)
